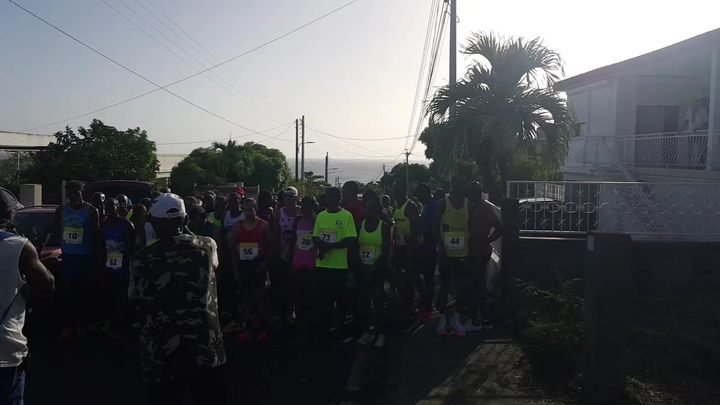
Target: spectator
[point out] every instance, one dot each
(173, 286)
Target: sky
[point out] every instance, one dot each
(352, 74)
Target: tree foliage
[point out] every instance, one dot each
(417, 173)
(223, 163)
(502, 107)
(99, 152)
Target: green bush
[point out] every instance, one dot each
(551, 329)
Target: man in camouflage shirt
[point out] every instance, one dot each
(173, 287)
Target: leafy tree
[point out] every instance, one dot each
(99, 152)
(313, 185)
(224, 163)
(418, 173)
(503, 105)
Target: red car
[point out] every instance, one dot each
(33, 222)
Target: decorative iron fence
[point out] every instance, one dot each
(683, 211)
(677, 150)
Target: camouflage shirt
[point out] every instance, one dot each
(174, 290)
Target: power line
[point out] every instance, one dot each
(350, 143)
(357, 139)
(212, 58)
(260, 46)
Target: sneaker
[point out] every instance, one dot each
(469, 326)
(232, 327)
(365, 339)
(456, 325)
(425, 315)
(442, 325)
(380, 342)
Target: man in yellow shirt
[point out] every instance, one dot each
(334, 233)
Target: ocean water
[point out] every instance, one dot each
(362, 170)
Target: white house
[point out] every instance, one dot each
(655, 117)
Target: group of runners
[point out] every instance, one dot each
(188, 269)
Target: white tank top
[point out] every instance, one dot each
(229, 222)
(286, 223)
(13, 344)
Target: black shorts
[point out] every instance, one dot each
(250, 276)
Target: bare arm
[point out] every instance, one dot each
(54, 226)
(386, 241)
(39, 278)
(413, 214)
(436, 226)
(130, 237)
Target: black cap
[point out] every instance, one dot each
(8, 201)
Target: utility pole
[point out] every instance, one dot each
(407, 169)
(453, 48)
(326, 167)
(297, 151)
(302, 161)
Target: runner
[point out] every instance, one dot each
(21, 271)
(354, 206)
(374, 249)
(334, 233)
(489, 228)
(98, 201)
(283, 238)
(304, 256)
(219, 211)
(125, 210)
(427, 248)
(453, 227)
(251, 240)
(406, 216)
(139, 220)
(118, 237)
(173, 286)
(200, 225)
(235, 213)
(265, 203)
(79, 226)
(351, 202)
(208, 202)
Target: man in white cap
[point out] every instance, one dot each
(174, 289)
(21, 272)
(283, 236)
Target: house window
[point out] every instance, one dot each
(657, 119)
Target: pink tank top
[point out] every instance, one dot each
(305, 252)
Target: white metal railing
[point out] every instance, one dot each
(677, 150)
(683, 211)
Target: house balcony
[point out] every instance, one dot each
(683, 154)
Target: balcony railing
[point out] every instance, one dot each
(677, 150)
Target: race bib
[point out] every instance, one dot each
(73, 236)
(114, 260)
(328, 235)
(304, 241)
(248, 251)
(454, 240)
(368, 255)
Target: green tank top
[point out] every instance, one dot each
(370, 244)
(455, 229)
(214, 220)
(401, 229)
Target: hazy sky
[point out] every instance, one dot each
(352, 74)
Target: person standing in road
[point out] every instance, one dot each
(283, 237)
(454, 233)
(172, 285)
(304, 256)
(79, 226)
(427, 248)
(235, 212)
(373, 250)
(217, 216)
(125, 210)
(334, 233)
(200, 225)
(118, 237)
(488, 228)
(406, 216)
(98, 201)
(250, 243)
(21, 271)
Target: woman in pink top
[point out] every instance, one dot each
(304, 255)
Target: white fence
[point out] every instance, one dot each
(676, 211)
(678, 150)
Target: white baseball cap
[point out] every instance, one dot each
(168, 205)
(292, 191)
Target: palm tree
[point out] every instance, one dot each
(503, 105)
(234, 160)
